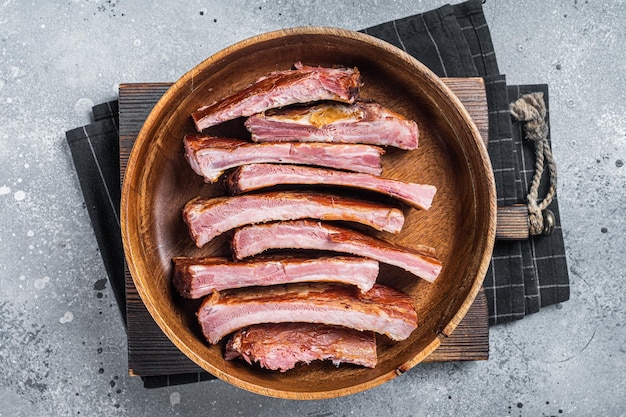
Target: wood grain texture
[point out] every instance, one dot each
(150, 352)
(513, 223)
(460, 225)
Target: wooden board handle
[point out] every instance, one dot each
(512, 223)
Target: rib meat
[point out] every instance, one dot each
(361, 122)
(256, 176)
(197, 277)
(301, 85)
(309, 234)
(281, 346)
(382, 309)
(210, 156)
(207, 218)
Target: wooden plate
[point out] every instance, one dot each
(460, 225)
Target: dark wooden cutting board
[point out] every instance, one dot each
(151, 353)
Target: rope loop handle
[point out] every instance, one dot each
(531, 108)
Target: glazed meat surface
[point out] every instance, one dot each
(281, 346)
(197, 277)
(257, 176)
(309, 234)
(207, 218)
(382, 309)
(361, 122)
(301, 85)
(210, 156)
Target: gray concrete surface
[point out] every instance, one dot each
(63, 348)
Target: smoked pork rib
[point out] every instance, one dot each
(361, 122)
(256, 176)
(281, 346)
(310, 234)
(301, 85)
(210, 156)
(207, 218)
(382, 309)
(196, 277)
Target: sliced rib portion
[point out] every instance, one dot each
(281, 346)
(361, 122)
(382, 309)
(207, 218)
(309, 234)
(197, 277)
(210, 156)
(256, 176)
(301, 85)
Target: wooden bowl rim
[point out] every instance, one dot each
(127, 223)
